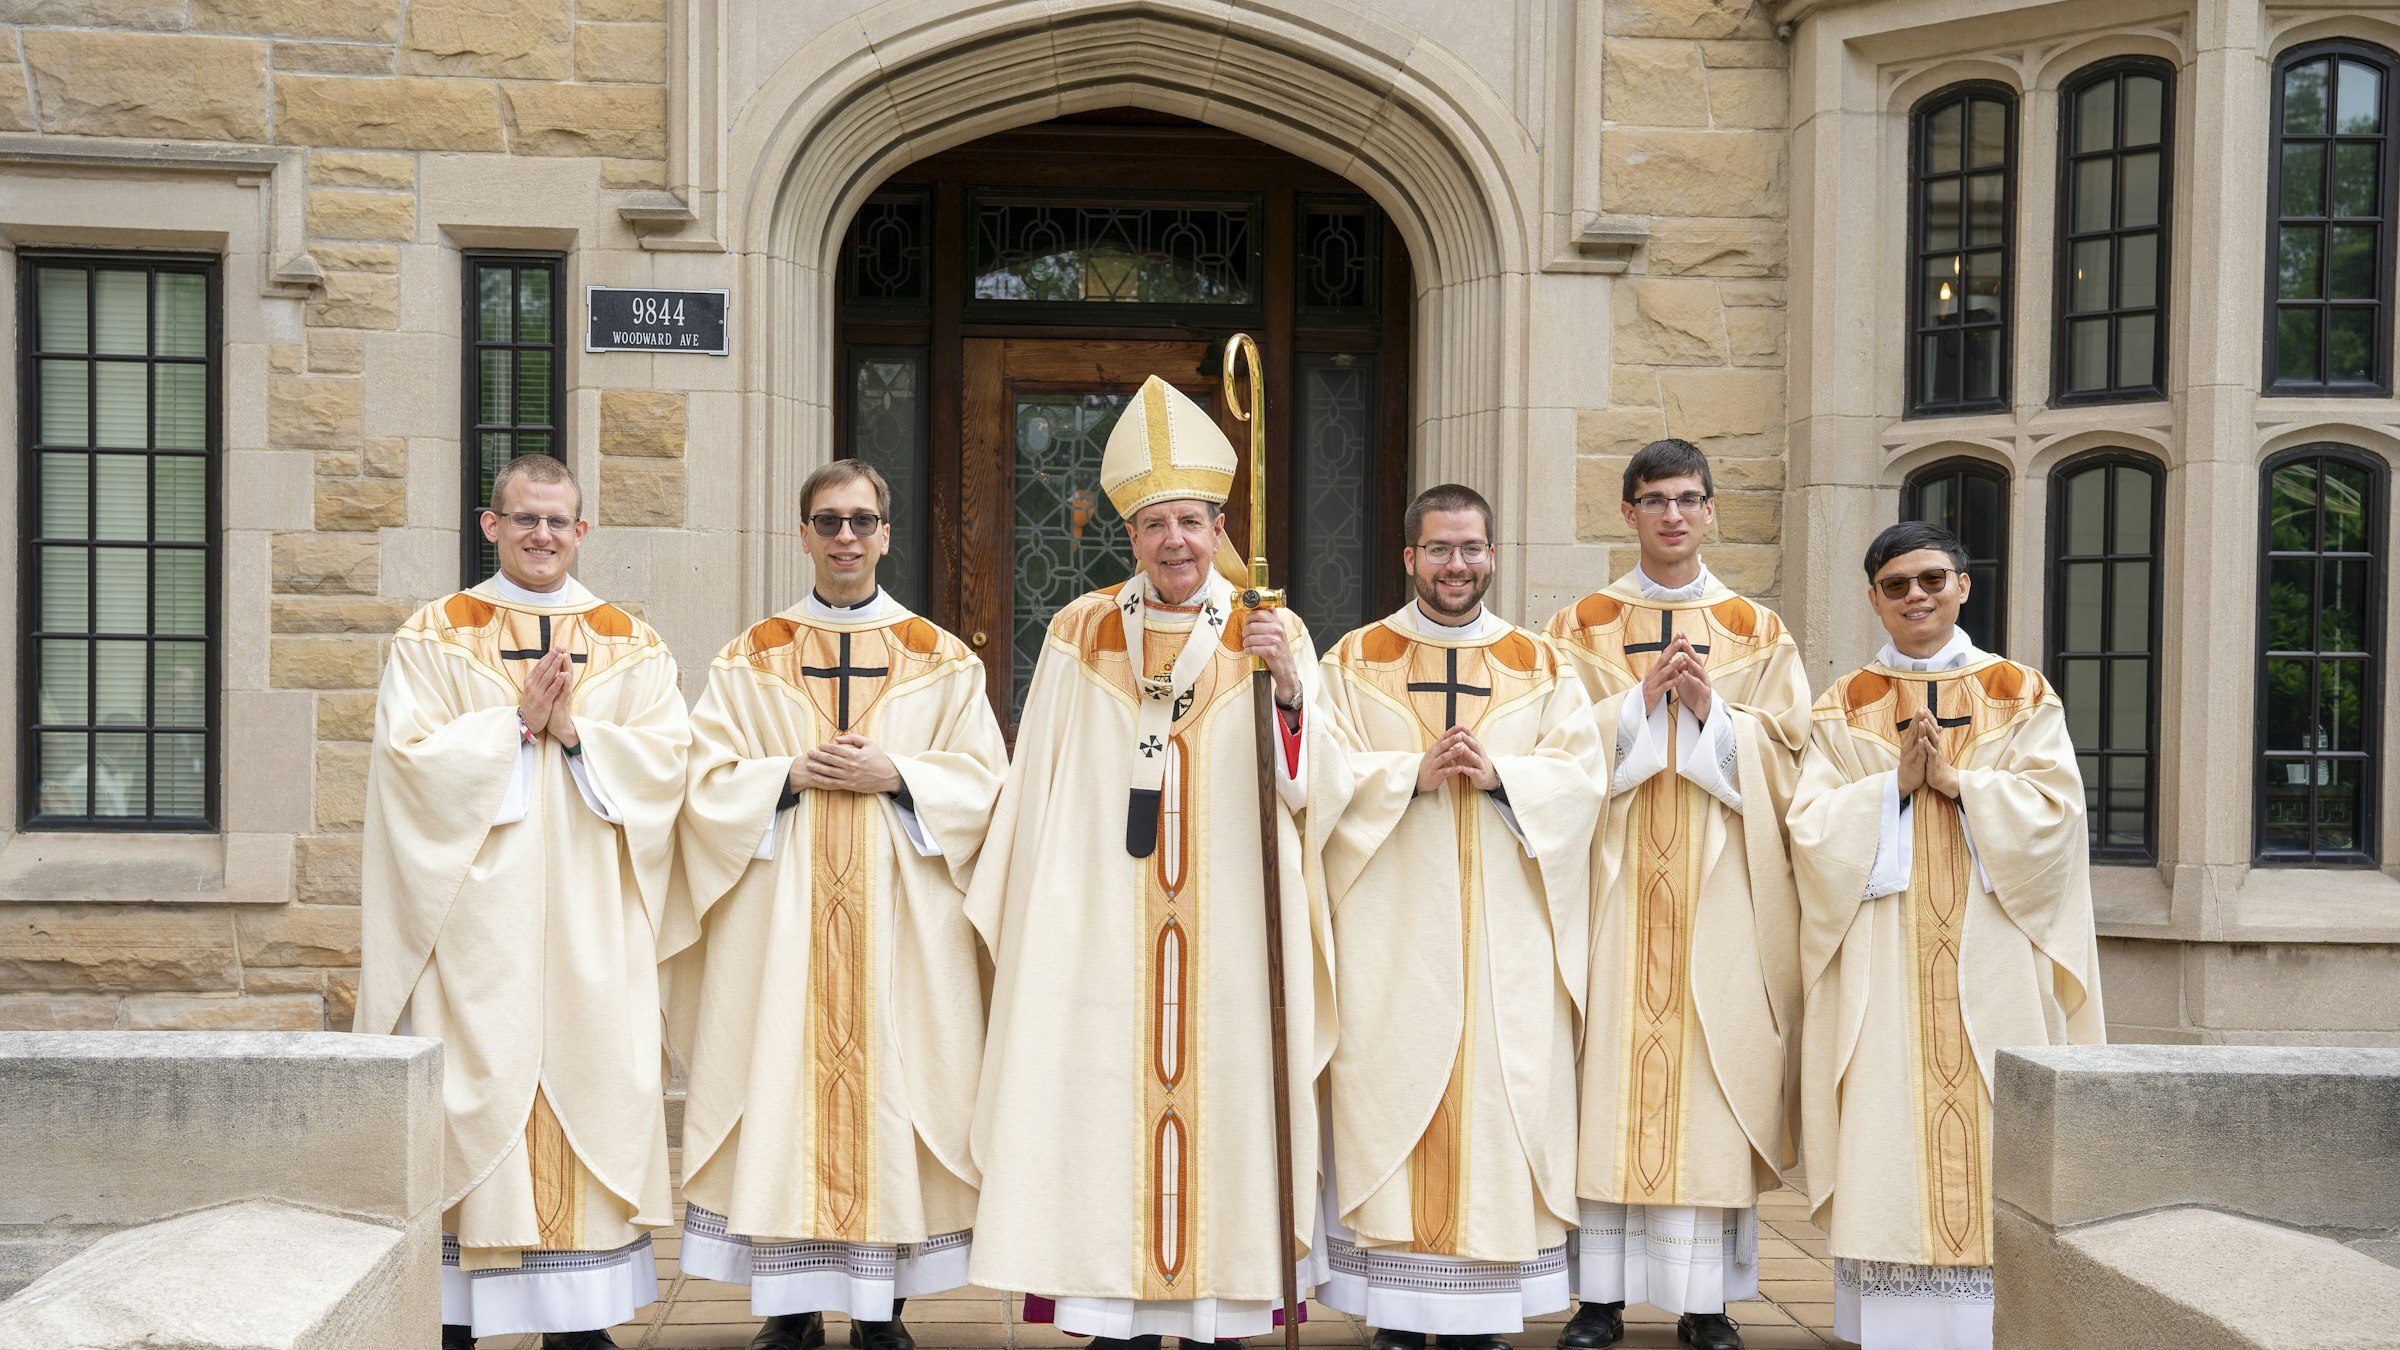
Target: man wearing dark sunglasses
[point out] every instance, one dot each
(1699, 694)
(1946, 912)
(527, 769)
(844, 765)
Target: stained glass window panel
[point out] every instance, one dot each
(1332, 536)
(887, 430)
(1117, 253)
(1067, 538)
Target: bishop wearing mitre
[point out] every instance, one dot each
(1694, 999)
(522, 790)
(1124, 1121)
(1453, 807)
(823, 979)
(1946, 912)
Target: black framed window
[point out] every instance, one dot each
(887, 256)
(886, 425)
(2107, 518)
(2115, 131)
(118, 425)
(2329, 231)
(515, 384)
(1034, 257)
(1969, 498)
(1962, 207)
(2321, 585)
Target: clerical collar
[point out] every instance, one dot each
(1165, 608)
(1698, 586)
(825, 611)
(1958, 651)
(518, 595)
(1473, 630)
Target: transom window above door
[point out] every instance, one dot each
(1179, 254)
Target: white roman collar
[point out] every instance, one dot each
(877, 606)
(1485, 624)
(518, 595)
(1958, 651)
(1698, 586)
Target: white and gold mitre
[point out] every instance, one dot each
(1165, 448)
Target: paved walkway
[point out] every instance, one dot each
(1795, 1308)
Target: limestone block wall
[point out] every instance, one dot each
(391, 134)
(1695, 100)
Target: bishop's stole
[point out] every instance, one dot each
(827, 999)
(1909, 994)
(1124, 1122)
(528, 948)
(1692, 1032)
(1452, 1083)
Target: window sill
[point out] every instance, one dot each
(179, 869)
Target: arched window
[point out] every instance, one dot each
(1962, 207)
(2329, 241)
(2106, 522)
(1969, 498)
(2321, 580)
(2116, 121)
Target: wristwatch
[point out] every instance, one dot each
(1298, 697)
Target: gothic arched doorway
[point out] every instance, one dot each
(1000, 301)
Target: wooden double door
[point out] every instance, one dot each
(1002, 302)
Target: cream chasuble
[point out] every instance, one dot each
(1694, 996)
(1452, 1082)
(1123, 1123)
(823, 983)
(1981, 938)
(528, 947)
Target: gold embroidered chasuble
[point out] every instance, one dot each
(1689, 1038)
(1123, 1123)
(1910, 994)
(1452, 1082)
(528, 948)
(827, 1000)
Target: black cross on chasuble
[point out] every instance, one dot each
(842, 672)
(1450, 689)
(537, 653)
(1933, 704)
(1666, 634)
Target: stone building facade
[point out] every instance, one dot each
(1620, 219)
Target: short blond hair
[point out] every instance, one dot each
(535, 468)
(842, 471)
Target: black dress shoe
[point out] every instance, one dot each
(456, 1337)
(1594, 1326)
(1450, 1342)
(577, 1340)
(892, 1335)
(1124, 1343)
(1708, 1331)
(791, 1331)
(1397, 1340)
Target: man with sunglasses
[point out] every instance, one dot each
(1694, 990)
(1454, 811)
(822, 978)
(1946, 913)
(527, 768)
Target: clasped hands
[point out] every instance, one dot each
(847, 763)
(1456, 755)
(1922, 762)
(543, 704)
(1678, 672)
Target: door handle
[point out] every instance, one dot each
(977, 638)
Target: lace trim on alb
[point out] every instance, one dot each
(1904, 1279)
(539, 1262)
(1424, 1274)
(857, 1260)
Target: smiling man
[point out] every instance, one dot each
(527, 768)
(1124, 1121)
(1694, 974)
(1455, 807)
(823, 981)
(1946, 913)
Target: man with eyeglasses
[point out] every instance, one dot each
(527, 769)
(1454, 809)
(822, 977)
(1124, 1126)
(1694, 988)
(1946, 912)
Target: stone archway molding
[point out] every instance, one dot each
(1409, 123)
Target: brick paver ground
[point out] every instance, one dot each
(1795, 1307)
